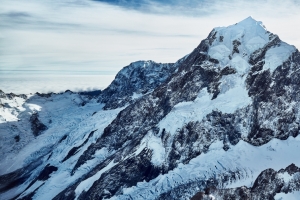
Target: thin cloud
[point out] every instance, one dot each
(85, 35)
(15, 15)
(207, 7)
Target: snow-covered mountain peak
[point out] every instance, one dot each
(208, 125)
(237, 44)
(249, 21)
(244, 31)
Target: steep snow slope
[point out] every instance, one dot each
(270, 184)
(71, 128)
(44, 134)
(243, 159)
(37, 110)
(11, 106)
(222, 93)
(233, 95)
(217, 120)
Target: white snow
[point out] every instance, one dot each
(277, 55)
(62, 178)
(240, 64)
(211, 197)
(233, 96)
(286, 177)
(87, 184)
(68, 118)
(295, 195)
(154, 143)
(136, 95)
(220, 52)
(250, 33)
(158, 150)
(255, 43)
(11, 109)
(32, 188)
(248, 159)
(76, 122)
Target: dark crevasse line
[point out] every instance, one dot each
(75, 150)
(18, 177)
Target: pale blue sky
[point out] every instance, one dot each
(107, 35)
(104, 36)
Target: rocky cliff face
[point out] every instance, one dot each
(223, 122)
(135, 80)
(267, 185)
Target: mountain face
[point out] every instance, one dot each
(266, 186)
(220, 123)
(134, 81)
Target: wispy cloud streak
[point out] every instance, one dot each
(85, 35)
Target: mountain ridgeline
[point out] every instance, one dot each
(220, 123)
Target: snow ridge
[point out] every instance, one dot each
(218, 119)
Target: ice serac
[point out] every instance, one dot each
(222, 122)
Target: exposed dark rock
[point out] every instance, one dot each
(147, 112)
(75, 150)
(30, 195)
(17, 138)
(212, 36)
(45, 173)
(221, 38)
(17, 177)
(217, 126)
(128, 173)
(150, 91)
(236, 45)
(94, 93)
(194, 73)
(259, 55)
(139, 77)
(46, 95)
(37, 126)
(266, 186)
(63, 138)
(12, 95)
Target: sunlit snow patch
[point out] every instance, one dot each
(249, 32)
(277, 55)
(10, 109)
(289, 196)
(232, 97)
(154, 143)
(249, 160)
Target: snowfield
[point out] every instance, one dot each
(69, 120)
(248, 160)
(233, 95)
(226, 119)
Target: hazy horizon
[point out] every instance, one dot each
(89, 38)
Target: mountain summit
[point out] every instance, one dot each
(222, 122)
